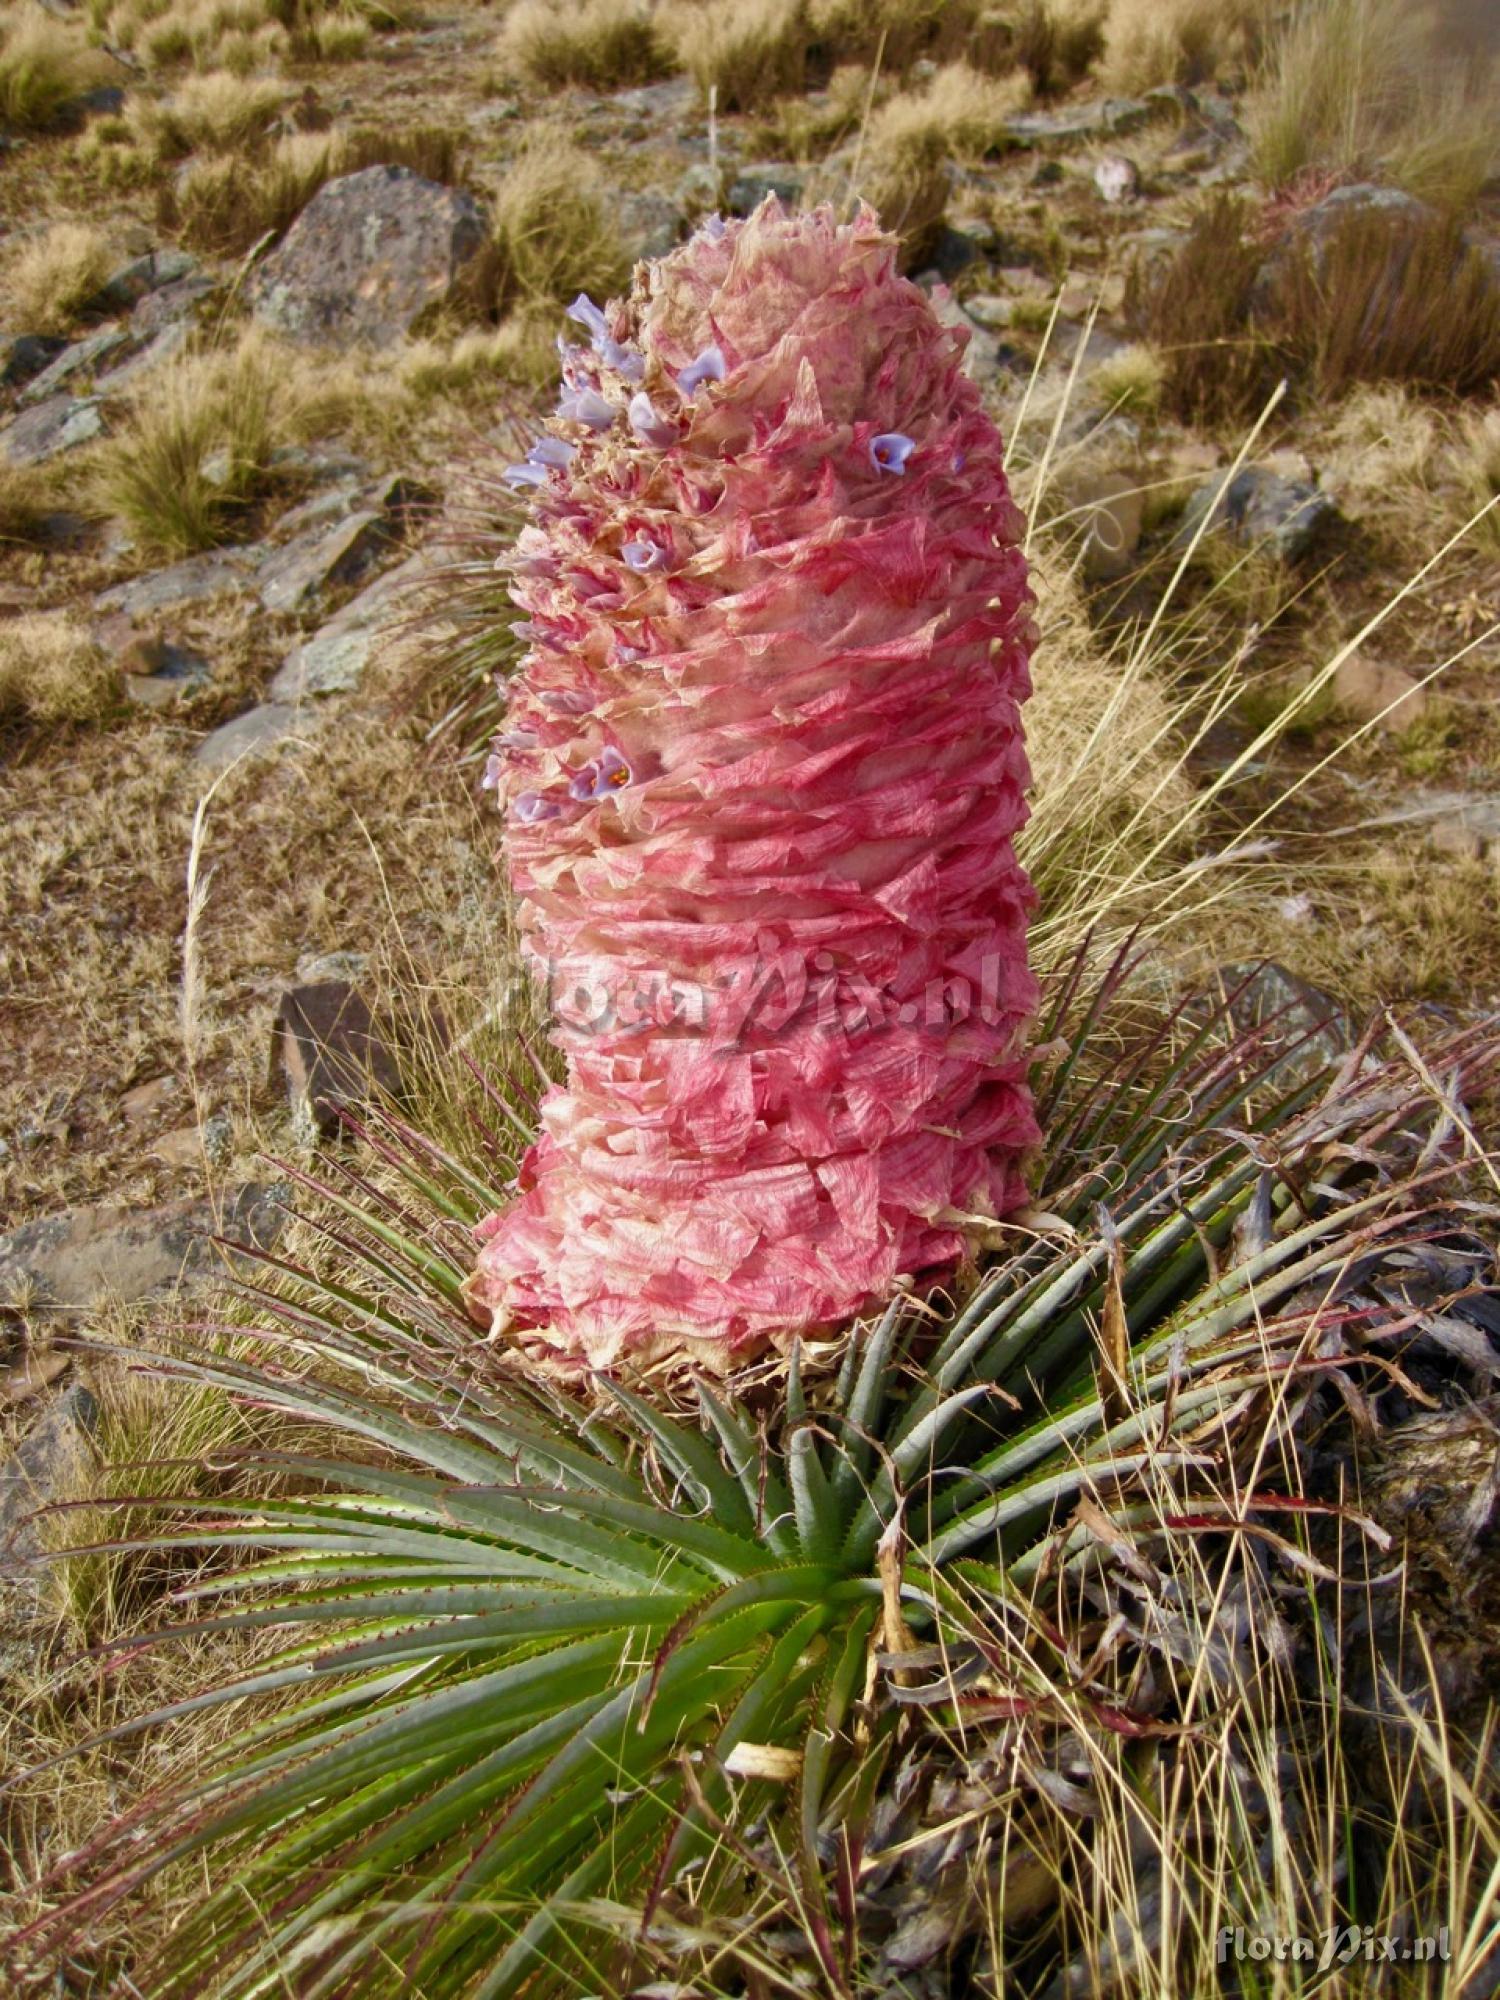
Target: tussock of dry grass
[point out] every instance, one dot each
(214, 113)
(600, 44)
(1147, 42)
(225, 203)
(197, 443)
(1055, 41)
(903, 161)
(552, 232)
(1130, 381)
(521, 350)
(747, 51)
(1196, 314)
(1356, 87)
(51, 670)
(26, 498)
(43, 64)
(50, 277)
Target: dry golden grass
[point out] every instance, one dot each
(50, 277)
(1131, 381)
(747, 51)
(521, 350)
(1148, 42)
(44, 63)
(51, 670)
(213, 112)
(552, 230)
(27, 497)
(902, 161)
(1358, 87)
(600, 44)
(195, 447)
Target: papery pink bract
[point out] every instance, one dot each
(761, 774)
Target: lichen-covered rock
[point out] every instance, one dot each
(761, 775)
(368, 256)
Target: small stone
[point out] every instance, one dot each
(369, 255)
(181, 1147)
(317, 968)
(142, 275)
(1116, 178)
(334, 658)
(253, 734)
(188, 582)
(320, 560)
(144, 1100)
(1376, 691)
(1458, 837)
(753, 182)
(50, 1464)
(1258, 507)
(23, 356)
(159, 674)
(161, 347)
(327, 1048)
(698, 190)
(69, 1262)
(80, 357)
(60, 424)
(650, 224)
(172, 305)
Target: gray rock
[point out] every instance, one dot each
(1259, 506)
(333, 660)
(69, 1262)
(753, 182)
(142, 275)
(252, 734)
(80, 357)
(369, 255)
(196, 578)
(699, 189)
(172, 304)
(161, 347)
(1116, 177)
(321, 559)
(158, 674)
(1100, 118)
(48, 1465)
(24, 356)
(51, 428)
(649, 224)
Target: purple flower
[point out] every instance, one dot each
(650, 427)
(628, 655)
(524, 475)
(713, 228)
(565, 701)
(586, 406)
(552, 451)
(529, 807)
(584, 312)
(643, 555)
(960, 459)
(626, 361)
(516, 739)
(890, 451)
(492, 771)
(606, 774)
(708, 367)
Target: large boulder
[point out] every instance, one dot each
(368, 256)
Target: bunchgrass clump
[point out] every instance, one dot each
(1147, 42)
(1196, 312)
(552, 231)
(1355, 87)
(1131, 381)
(748, 52)
(214, 112)
(228, 202)
(52, 670)
(43, 66)
(599, 44)
(195, 448)
(1387, 297)
(51, 277)
(903, 162)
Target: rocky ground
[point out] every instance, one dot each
(225, 824)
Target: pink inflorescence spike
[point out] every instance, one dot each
(761, 775)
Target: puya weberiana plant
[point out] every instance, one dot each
(532, 1657)
(773, 419)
